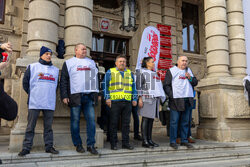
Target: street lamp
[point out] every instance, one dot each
(129, 11)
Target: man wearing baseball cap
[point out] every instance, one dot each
(40, 83)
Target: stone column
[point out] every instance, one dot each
(224, 112)
(237, 50)
(43, 25)
(216, 37)
(78, 25)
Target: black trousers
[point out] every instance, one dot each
(123, 109)
(30, 130)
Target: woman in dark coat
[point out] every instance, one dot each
(150, 92)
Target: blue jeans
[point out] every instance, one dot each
(183, 116)
(189, 126)
(89, 115)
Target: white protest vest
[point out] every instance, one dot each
(43, 84)
(83, 75)
(154, 84)
(180, 84)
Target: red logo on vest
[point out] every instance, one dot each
(182, 77)
(47, 77)
(83, 68)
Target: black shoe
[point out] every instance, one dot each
(174, 146)
(108, 139)
(188, 145)
(138, 137)
(23, 153)
(80, 149)
(92, 150)
(1, 161)
(146, 144)
(114, 147)
(127, 146)
(153, 143)
(52, 150)
(149, 136)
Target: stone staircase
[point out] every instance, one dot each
(206, 153)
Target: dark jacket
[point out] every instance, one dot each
(26, 78)
(74, 99)
(177, 104)
(1, 51)
(8, 107)
(1, 56)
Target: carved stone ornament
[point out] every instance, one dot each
(117, 11)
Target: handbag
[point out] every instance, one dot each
(162, 115)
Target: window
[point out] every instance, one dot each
(112, 4)
(190, 28)
(2, 11)
(105, 49)
(108, 44)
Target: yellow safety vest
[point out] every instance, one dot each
(120, 87)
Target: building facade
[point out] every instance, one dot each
(209, 32)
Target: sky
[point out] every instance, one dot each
(246, 9)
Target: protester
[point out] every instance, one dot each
(246, 84)
(150, 92)
(178, 85)
(40, 83)
(119, 92)
(5, 47)
(78, 86)
(8, 107)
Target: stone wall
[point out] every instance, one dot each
(11, 31)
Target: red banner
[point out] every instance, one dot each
(164, 63)
(166, 41)
(166, 53)
(165, 60)
(164, 29)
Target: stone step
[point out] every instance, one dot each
(162, 156)
(217, 158)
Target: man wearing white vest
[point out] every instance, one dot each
(78, 86)
(178, 85)
(40, 83)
